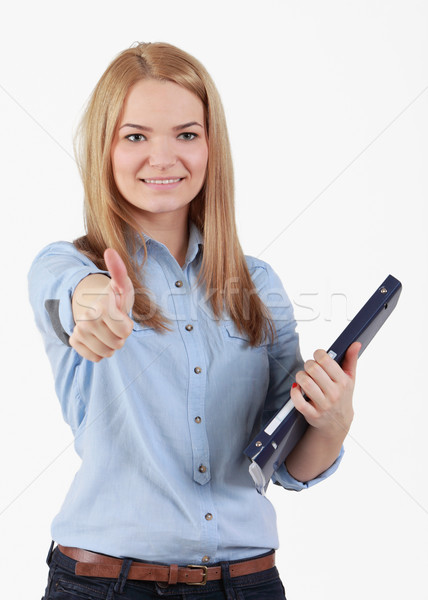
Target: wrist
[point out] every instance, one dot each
(332, 435)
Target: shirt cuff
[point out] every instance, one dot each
(65, 310)
(282, 476)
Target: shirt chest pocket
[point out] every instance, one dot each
(140, 331)
(232, 335)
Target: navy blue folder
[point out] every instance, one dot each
(276, 440)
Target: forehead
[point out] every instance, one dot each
(153, 99)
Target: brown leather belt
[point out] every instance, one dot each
(91, 564)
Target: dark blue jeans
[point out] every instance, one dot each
(63, 584)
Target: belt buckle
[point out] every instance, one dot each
(204, 576)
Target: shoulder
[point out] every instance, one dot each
(61, 252)
(61, 248)
(263, 275)
(271, 291)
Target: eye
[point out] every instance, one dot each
(135, 137)
(188, 136)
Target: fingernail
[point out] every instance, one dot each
(294, 385)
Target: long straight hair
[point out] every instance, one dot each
(108, 218)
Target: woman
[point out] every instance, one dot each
(169, 349)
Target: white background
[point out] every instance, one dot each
(327, 110)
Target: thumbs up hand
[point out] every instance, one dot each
(100, 308)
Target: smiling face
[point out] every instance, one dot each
(160, 150)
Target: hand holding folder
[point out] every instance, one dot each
(269, 449)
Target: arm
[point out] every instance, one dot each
(53, 277)
(328, 411)
(319, 452)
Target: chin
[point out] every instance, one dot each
(162, 208)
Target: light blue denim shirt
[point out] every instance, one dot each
(161, 426)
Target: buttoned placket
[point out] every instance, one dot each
(181, 282)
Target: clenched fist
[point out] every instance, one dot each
(100, 308)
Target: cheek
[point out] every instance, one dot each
(200, 162)
(116, 163)
(122, 163)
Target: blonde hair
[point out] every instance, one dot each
(108, 219)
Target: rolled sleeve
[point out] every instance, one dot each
(53, 276)
(283, 478)
(66, 292)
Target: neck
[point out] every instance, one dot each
(170, 229)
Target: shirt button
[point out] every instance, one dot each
(189, 327)
(202, 469)
(205, 558)
(178, 283)
(197, 369)
(198, 419)
(208, 516)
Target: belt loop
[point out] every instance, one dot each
(49, 556)
(123, 575)
(227, 583)
(173, 574)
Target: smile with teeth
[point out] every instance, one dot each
(162, 181)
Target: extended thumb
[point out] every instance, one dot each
(117, 270)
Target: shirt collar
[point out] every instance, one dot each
(196, 241)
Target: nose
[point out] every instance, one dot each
(162, 156)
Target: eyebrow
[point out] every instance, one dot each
(176, 128)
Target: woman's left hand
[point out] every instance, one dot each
(328, 388)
